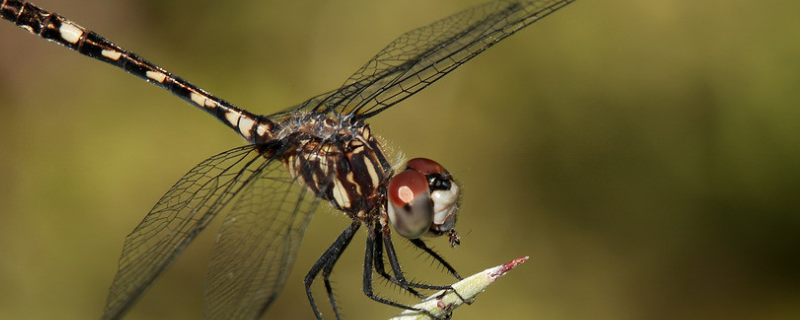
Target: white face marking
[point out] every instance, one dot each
(444, 203)
(157, 76)
(70, 33)
(111, 54)
(232, 117)
(245, 126)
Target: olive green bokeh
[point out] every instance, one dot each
(645, 154)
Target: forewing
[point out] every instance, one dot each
(180, 215)
(257, 246)
(420, 57)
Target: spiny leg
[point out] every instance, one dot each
(395, 264)
(420, 244)
(369, 258)
(380, 268)
(325, 264)
(398, 273)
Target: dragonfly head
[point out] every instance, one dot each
(423, 200)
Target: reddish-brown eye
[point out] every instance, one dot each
(426, 166)
(409, 207)
(423, 200)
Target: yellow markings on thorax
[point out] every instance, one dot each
(352, 179)
(317, 165)
(70, 32)
(340, 194)
(373, 175)
(366, 135)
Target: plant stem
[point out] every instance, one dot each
(441, 303)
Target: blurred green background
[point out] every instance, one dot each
(645, 154)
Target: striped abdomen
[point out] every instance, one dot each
(55, 28)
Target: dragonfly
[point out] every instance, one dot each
(321, 150)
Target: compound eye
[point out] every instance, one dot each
(426, 167)
(444, 194)
(410, 207)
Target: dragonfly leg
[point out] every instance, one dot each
(398, 273)
(369, 259)
(420, 244)
(325, 265)
(380, 268)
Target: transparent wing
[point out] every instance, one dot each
(257, 246)
(180, 215)
(420, 57)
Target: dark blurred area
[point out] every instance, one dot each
(646, 155)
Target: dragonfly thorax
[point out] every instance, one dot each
(340, 162)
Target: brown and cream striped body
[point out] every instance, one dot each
(337, 159)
